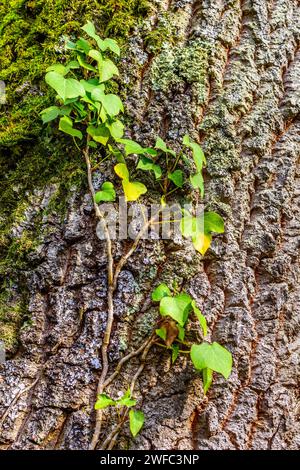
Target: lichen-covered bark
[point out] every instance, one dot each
(227, 72)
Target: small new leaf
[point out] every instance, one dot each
(107, 193)
(175, 352)
(162, 333)
(147, 164)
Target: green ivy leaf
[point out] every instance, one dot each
(112, 104)
(89, 29)
(213, 222)
(91, 85)
(107, 193)
(97, 56)
(64, 87)
(131, 147)
(177, 307)
(177, 178)
(147, 164)
(83, 45)
(99, 134)
(207, 375)
(159, 292)
(198, 182)
(66, 126)
(136, 421)
(116, 129)
(161, 145)
(73, 64)
(92, 144)
(58, 68)
(110, 44)
(98, 93)
(200, 228)
(198, 154)
(85, 64)
(175, 352)
(201, 318)
(107, 69)
(103, 401)
(162, 333)
(212, 356)
(50, 113)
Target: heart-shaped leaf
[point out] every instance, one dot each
(107, 69)
(64, 87)
(107, 193)
(161, 145)
(66, 126)
(50, 113)
(198, 154)
(112, 104)
(116, 129)
(133, 189)
(202, 242)
(198, 182)
(162, 333)
(110, 44)
(177, 307)
(213, 222)
(100, 134)
(177, 178)
(212, 356)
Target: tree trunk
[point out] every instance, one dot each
(228, 73)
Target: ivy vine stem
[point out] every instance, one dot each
(110, 303)
(112, 437)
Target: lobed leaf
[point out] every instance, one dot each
(107, 193)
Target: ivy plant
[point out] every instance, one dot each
(89, 113)
(176, 311)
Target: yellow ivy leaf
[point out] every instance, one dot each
(132, 189)
(202, 242)
(122, 171)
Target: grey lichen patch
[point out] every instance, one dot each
(189, 64)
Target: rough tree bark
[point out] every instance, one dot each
(228, 73)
